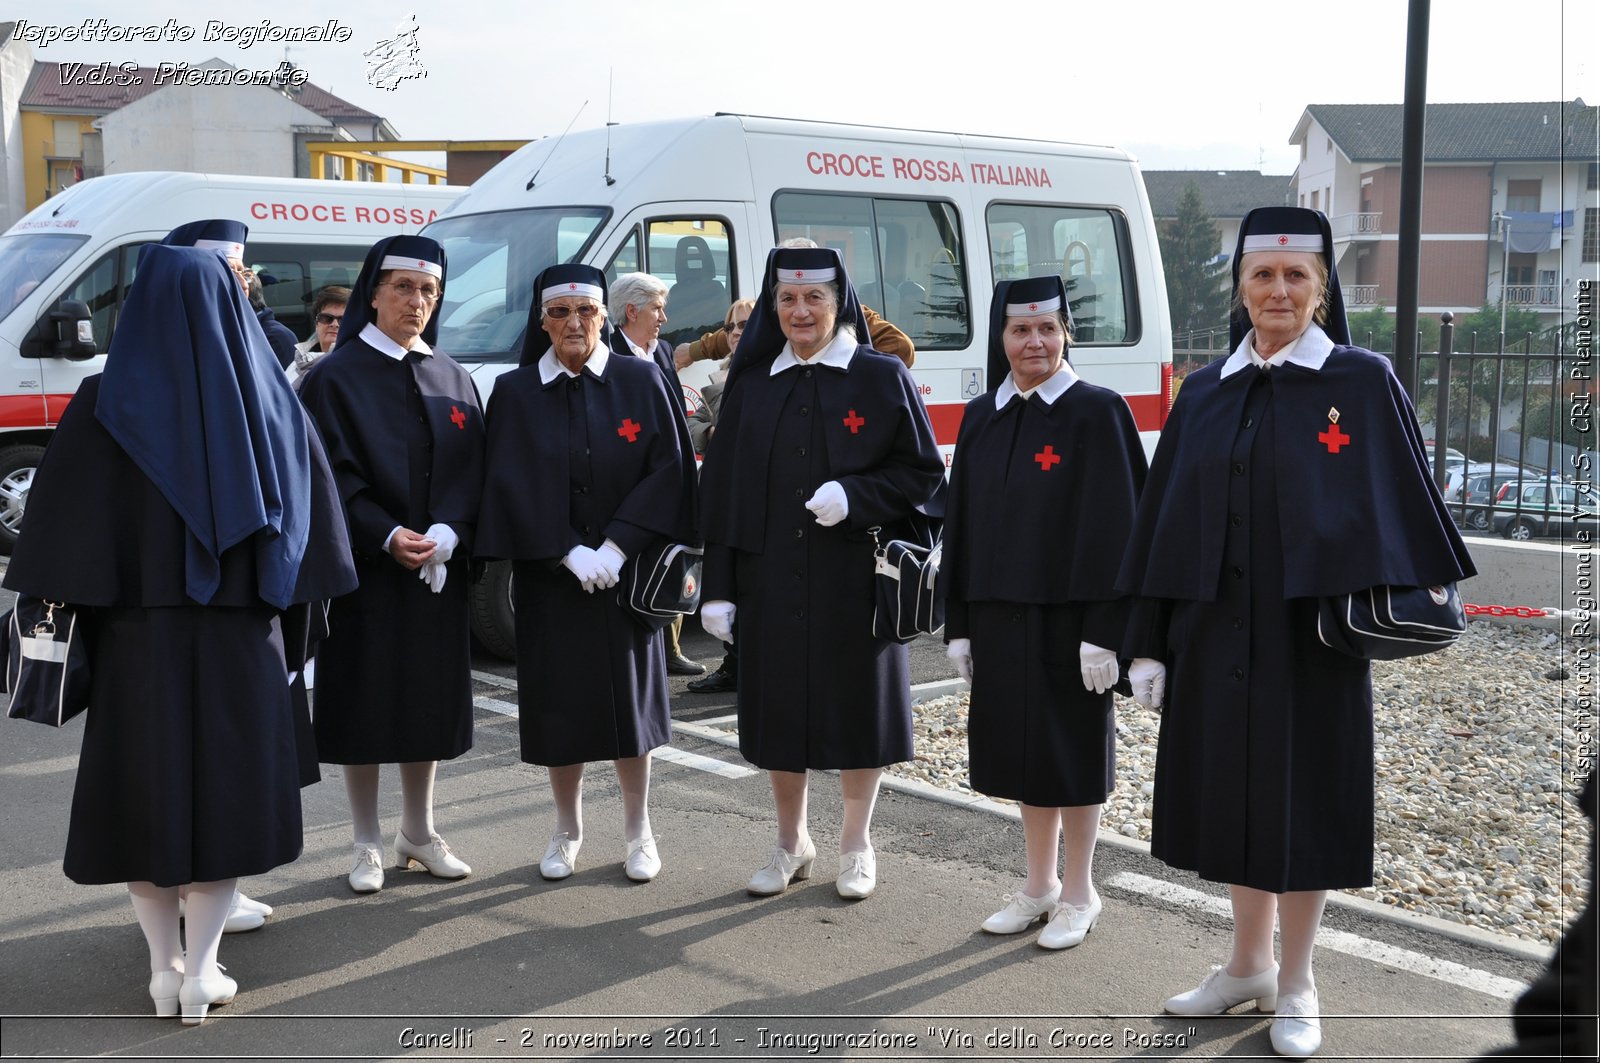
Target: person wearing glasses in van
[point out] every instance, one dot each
(405, 436)
(327, 310)
(1061, 459)
(820, 439)
(589, 465)
(1290, 471)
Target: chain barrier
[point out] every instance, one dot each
(1522, 611)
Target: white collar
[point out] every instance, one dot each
(1309, 350)
(551, 369)
(634, 347)
(837, 354)
(375, 337)
(1054, 386)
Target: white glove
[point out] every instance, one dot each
(960, 651)
(1148, 677)
(829, 504)
(1099, 667)
(445, 541)
(717, 619)
(433, 574)
(611, 559)
(583, 563)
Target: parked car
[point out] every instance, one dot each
(1472, 490)
(1526, 508)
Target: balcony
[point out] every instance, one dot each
(1362, 226)
(1532, 294)
(1361, 295)
(61, 151)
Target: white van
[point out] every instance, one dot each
(926, 222)
(76, 253)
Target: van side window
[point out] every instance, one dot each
(100, 288)
(904, 257)
(693, 257)
(292, 273)
(1087, 246)
(626, 260)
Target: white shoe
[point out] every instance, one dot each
(367, 875)
(1297, 1027)
(435, 857)
(198, 994)
(784, 865)
(1021, 912)
(858, 874)
(1070, 924)
(1221, 991)
(240, 918)
(164, 986)
(250, 904)
(642, 863)
(561, 857)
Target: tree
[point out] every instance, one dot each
(1482, 327)
(1197, 295)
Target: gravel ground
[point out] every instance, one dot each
(1477, 820)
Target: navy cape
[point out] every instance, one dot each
(1355, 514)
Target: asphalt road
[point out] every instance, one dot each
(505, 965)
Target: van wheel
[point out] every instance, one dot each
(494, 620)
(17, 466)
(1478, 519)
(1521, 530)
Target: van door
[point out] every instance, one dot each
(102, 288)
(690, 247)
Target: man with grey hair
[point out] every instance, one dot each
(637, 308)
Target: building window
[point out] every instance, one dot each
(1329, 150)
(1315, 197)
(1522, 197)
(1591, 234)
(1594, 175)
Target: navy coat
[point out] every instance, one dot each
(278, 335)
(1041, 501)
(406, 442)
(816, 689)
(577, 461)
(1258, 502)
(190, 769)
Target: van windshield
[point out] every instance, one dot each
(492, 260)
(26, 259)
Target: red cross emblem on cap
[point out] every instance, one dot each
(799, 273)
(421, 263)
(1282, 240)
(571, 287)
(1033, 306)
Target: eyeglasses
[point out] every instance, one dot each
(405, 290)
(329, 319)
(586, 311)
(736, 326)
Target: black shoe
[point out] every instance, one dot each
(721, 681)
(678, 664)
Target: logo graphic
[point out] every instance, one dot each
(395, 60)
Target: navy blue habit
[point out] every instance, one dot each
(577, 460)
(1042, 496)
(816, 688)
(191, 767)
(405, 437)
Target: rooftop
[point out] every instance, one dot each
(1225, 193)
(54, 86)
(1460, 132)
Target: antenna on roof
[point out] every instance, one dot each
(610, 96)
(556, 145)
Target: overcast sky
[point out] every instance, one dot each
(1187, 85)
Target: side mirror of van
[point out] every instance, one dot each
(73, 331)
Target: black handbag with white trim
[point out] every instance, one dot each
(661, 583)
(907, 602)
(46, 661)
(1387, 623)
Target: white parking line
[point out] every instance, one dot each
(504, 708)
(1337, 940)
(700, 763)
(494, 680)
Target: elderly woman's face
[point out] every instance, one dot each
(573, 336)
(1033, 347)
(806, 314)
(1281, 291)
(328, 319)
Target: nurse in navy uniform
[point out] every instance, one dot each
(405, 437)
(1061, 459)
(185, 506)
(820, 439)
(589, 464)
(1291, 470)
